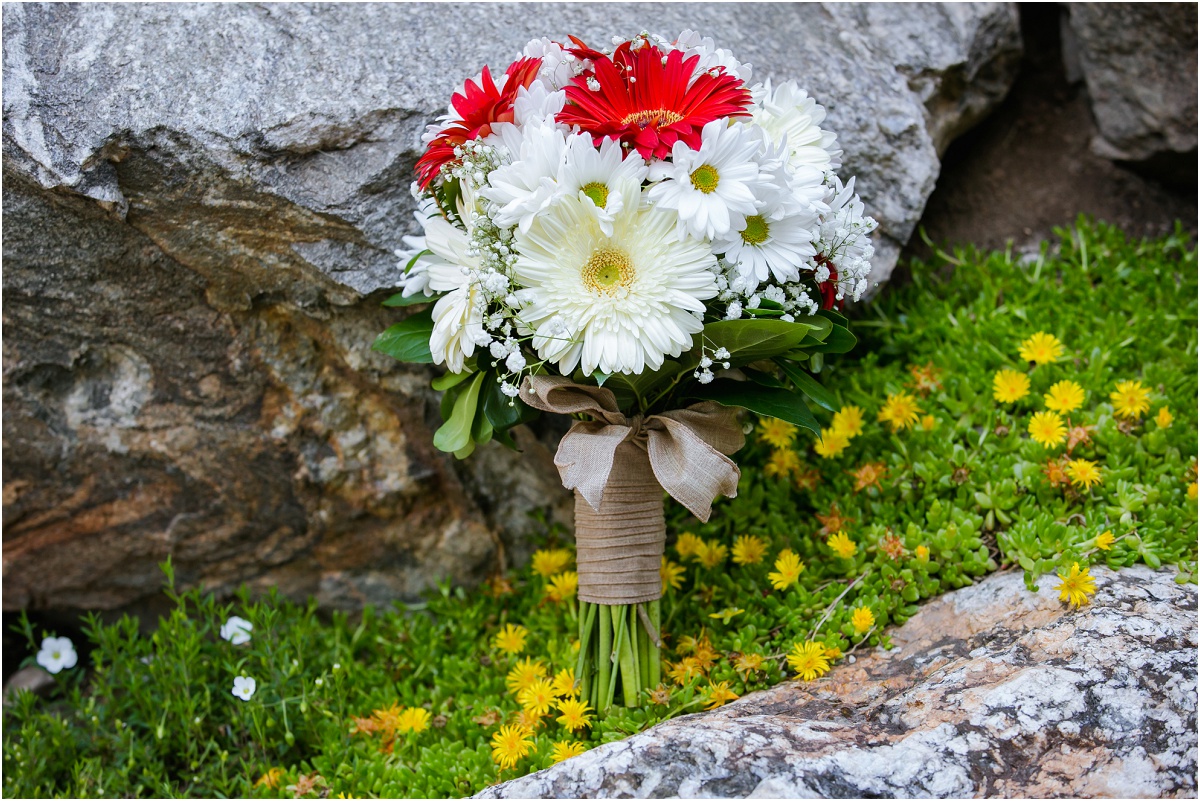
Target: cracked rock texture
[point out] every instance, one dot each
(201, 204)
(990, 691)
(1139, 62)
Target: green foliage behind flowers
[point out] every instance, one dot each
(824, 548)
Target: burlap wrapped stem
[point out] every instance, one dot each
(619, 467)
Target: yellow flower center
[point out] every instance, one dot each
(655, 116)
(757, 229)
(705, 178)
(598, 192)
(607, 270)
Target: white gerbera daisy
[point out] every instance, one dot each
(558, 66)
(788, 114)
(712, 189)
(601, 178)
(416, 279)
(691, 43)
(538, 104)
(618, 303)
(458, 315)
(528, 183)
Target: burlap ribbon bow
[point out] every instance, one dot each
(686, 447)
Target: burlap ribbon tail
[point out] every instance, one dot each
(619, 466)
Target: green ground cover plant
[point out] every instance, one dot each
(1000, 412)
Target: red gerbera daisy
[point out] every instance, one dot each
(644, 99)
(478, 107)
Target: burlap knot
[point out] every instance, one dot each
(686, 447)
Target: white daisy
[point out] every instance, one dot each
(528, 183)
(601, 178)
(788, 114)
(618, 303)
(712, 189)
(778, 241)
(458, 315)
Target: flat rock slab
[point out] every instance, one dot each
(991, 690)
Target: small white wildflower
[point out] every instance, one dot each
(337, 665)
(511, 390)
(57, 654)
(721, 353)
(319, 682)
(497, 349)
(593, 84)
(236, 630)
(244, 687)
(705, 362)
(704, 377)
(734, 311)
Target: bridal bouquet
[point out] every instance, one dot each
(637, 236)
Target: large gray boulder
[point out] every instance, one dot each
(1139, 62)
(199, 202)
(990, 691)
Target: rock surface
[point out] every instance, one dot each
(990, 691)
(1139, 62)
(201, 200)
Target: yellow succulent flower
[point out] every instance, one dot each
(510, 745)
(808, 661)
(1009, 386)
(671, 574)
(776, 433)
(1047, 429)
(842, 545)
(547, 563)
(900, 411)
(848, 421)
(511, 639)
(788, 568)
(1083, 473)
(1065, 396)
(862, 620)
(831, 443)
(1041, 348)
(1130, 399)
(565, 750)
(749, 550)
(1076, 585)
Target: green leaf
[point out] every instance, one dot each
(408, 340)
(501, 415)
(455, 434)
(444, 382)
(840, 340)
(781, 403)
(750, 340)
(809, 386)
(834, 317)
(762, 379)
(399, 300)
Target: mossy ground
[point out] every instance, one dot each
(962, 492)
